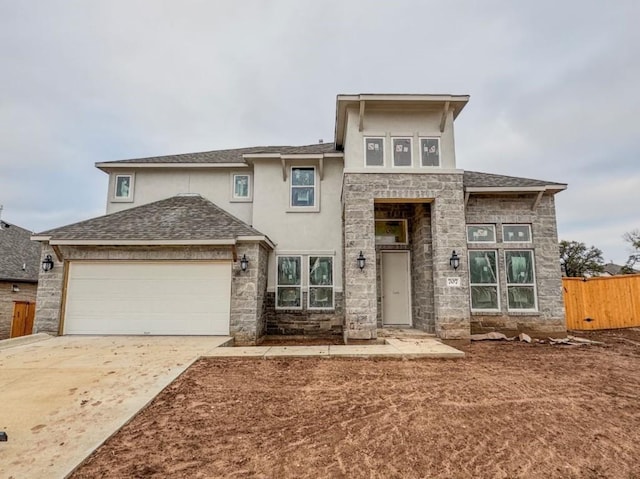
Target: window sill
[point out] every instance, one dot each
(303, 210)
(523, 313)
(488, 312)
(121, 200)
(241, 200)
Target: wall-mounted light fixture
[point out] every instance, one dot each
(47, 263)
(454, 261)
(244, 262)
(15, 288)
(361, 261)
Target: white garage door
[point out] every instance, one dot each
(172, 298)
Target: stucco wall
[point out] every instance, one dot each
(390, 123)
(7, 297)
(518, 209)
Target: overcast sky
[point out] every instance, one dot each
(553, 85)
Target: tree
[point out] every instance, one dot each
(633, 238)
(578, 260)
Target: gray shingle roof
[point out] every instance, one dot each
(232, 156)
(183, 217)
(16, 250)
(476, 179)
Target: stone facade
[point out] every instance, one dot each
(507, 209)
(444, 192)
(7, 297)
(247, 288)
(304, 322)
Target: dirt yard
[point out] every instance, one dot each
(507, 410)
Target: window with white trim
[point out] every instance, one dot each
(241, 187)
(430, 151)
(374, 151)
(483, 280)
(516, 233)
(481, 233)
(123, 187)
(521, 280)
(289, 282)
(320, 282)
(303, 187)
(402, 151)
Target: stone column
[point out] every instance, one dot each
(49, 295)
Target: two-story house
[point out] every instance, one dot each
(378, 228)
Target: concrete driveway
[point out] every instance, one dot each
(62, 397)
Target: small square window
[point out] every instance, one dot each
(516, 233)
(241, 187)
(481, 233)
(430, 151)
(123, 188)
(303, 187)
(402, 152)
(374, 151)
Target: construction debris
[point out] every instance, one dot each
(489, 336)
(525, 338)
(574, 341)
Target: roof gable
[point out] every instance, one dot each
(476, 179)
(19, 256)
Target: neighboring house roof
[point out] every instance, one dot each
(19, 256)
(612, 269)
(475, 179)
(228, 156)
(182, 219)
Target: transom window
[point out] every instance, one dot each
(481, 233)
(521, 282)
(320, 282)
(401, 151)
(289, 282)
(516, 233)
(391, 231)
(303, 187)
(374, 151)
(483, 279)
(430, 151)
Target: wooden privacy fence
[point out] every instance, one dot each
(602, 302)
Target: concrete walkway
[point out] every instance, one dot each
(399, 347)
(63, 397)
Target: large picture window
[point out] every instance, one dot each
(430, 151)
(521, 288)
(303, 187)
(483, 279)
(289, 282)
(374, 151)
(320, 282)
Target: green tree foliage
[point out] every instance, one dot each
(578, 260)
(633, 238)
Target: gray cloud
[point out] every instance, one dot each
(551, 83)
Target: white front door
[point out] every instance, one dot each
(396, 288)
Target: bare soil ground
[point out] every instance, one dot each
(507, 410)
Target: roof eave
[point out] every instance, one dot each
(106, 167)
(515, 189)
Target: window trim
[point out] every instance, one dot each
(332, 286)
(384, 148)
(504, 236)
(123, 199)
(534, 284)
(496, 284)
(487, 225)
(300, 286)
(393, 151)
(241, 199)
(316, 190)
(420, 138)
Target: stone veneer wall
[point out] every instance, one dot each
(247, 289)
(517, 209)
(422, 269)
(304, 322)
(7, 297)
(451, 305)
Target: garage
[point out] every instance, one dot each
(142, 297)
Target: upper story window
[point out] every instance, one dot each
(374, 151)
(481, 233)
(303, 187)
(123, 188)
(402, 151)
(241, 187)
(516, 233)
(430, 151)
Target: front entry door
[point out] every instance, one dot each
(396, 290)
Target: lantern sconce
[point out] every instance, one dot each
(361, 261)
(244, 262)
(454, 261)
(47, 263)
